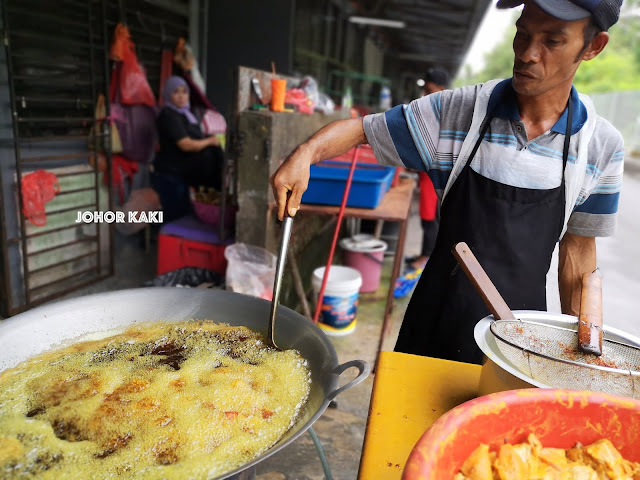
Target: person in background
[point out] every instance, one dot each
(436, 80)
(522, 165)
(185, 153)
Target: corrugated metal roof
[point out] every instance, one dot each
(437, 32)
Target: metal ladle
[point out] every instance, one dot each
(277, 283)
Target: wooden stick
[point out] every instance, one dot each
(273, 68)
(482, 283)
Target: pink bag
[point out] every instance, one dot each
(213, 123)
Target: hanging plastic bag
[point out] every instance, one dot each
(134, 87)
(183, 56)
(38, 188)
(213, 123)
(138, 132)
(250, 270)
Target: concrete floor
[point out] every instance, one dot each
(341, 430)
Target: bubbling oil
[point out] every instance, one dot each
(188, 400)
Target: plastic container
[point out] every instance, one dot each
(278, 91)
(328, 181)
(559, 418)
(365, 253)
(210, 214)
(187, 242)
(250, 270)
(340, 300)
(366, 156)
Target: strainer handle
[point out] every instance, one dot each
(482, 283)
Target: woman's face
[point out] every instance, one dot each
(180, 97)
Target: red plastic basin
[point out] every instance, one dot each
(559, 418)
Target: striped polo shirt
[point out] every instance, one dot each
(427, 135)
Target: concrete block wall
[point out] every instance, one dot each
(265, 139)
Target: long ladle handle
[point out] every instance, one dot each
(482, 283)
(277, 282)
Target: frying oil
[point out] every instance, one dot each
(188, 400)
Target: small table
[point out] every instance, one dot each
(409, 394)
(394, 207)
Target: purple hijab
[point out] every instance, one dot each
(170, 86)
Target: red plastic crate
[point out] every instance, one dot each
(177, 252)
(365, 155)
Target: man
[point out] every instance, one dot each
(436, 80)
(521, 164)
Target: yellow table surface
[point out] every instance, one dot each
(409, 394)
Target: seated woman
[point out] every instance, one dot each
(185, 152)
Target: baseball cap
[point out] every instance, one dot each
(604, 12)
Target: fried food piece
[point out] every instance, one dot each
(478, 465)
(531, 461)
(509, 464)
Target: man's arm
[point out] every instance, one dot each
(577, 256)
(293, 175)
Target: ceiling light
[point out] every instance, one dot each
(379, 22)
(420, 82)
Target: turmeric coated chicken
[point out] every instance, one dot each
(531, 461)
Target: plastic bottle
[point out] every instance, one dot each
(385, 98)
(347, 98)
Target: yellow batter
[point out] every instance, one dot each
(188, 400)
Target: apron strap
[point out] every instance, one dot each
(567, 137)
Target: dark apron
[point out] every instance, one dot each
(512, 231)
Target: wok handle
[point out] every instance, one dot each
(364, 371)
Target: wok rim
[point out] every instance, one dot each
(38, 314)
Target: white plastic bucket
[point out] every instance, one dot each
(340, 301)
(365, 253)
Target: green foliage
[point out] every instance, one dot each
(617, 68)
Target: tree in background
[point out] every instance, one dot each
(615, 69)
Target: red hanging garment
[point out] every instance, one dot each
(121, 170)
(134, 87)
(38, 188)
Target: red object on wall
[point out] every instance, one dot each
(38, 188)
(559, 418)
(178, 252)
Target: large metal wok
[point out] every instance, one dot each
(40, 329)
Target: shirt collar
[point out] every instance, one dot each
(504, 105)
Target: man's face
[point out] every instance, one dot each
(546, 51)
(430, 87)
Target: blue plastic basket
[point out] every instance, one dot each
(328, 181)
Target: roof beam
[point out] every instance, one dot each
(427, 58)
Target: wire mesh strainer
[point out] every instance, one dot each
(548, 354)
